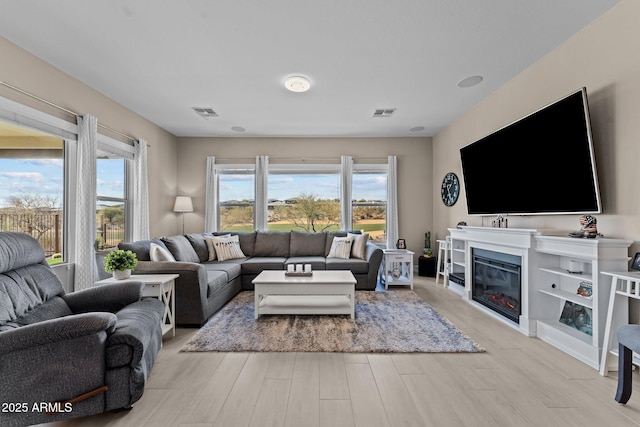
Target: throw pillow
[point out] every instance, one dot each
(210, 240)
(158, 253)
(227, 248)
(341, 247)
(359, 245)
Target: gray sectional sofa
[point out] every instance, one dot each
(205, 286)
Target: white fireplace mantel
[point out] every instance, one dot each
(513, 241)
(549, 281)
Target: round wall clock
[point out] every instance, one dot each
(450, 189)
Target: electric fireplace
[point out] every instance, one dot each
(496, 282)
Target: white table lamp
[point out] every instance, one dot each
(183, 204)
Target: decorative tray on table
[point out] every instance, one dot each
(298, 274)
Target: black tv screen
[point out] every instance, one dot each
(540, 164)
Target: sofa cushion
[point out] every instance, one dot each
(159, 253)
(307, 244)
(317, 262)
(247, 240)
(329, 239)
(256, 264)
(359, 245)
(181, 249)
(233, 269)
(199, 245)
(272, 244)
(341, 247)
(140, 248)
(357, 266)
(215, 281)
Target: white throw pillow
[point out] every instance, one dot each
(158, 253)
(341, 247)
(227, 247)
(359, 245)
(210, 247)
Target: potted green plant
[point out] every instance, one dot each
(120, 263)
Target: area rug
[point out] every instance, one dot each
(386, 322)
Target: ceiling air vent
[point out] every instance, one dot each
(384, 112)
(207, 113)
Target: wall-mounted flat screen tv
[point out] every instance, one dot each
(541, 164)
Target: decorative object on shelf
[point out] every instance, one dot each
(395, 273)
(588, 228)
(450, 189)
(401, 244)
(578, 317)
(426, 251)
(120, 263)
(461, 224)
(585, 290)
(575, 267)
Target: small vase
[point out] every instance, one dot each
(121, 274)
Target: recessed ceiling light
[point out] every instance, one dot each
(297, 84)
(238, 129)
(417, 129)
(470, 81)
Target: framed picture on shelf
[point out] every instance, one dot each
(578, 317)
(635, 265)
(401, 244)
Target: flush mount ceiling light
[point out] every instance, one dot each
(470, 81)
(417, 129)
(238, 129)
(297, 84)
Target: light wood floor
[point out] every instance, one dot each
(519, 381)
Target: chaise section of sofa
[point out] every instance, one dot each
(205, 286)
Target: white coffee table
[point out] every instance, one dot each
(324, 292)
(161, 286)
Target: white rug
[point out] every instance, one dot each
(386, 322)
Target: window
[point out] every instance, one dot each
(236, 197)
(369, 201)
(303, 198)
(111, 202)
(32, 187)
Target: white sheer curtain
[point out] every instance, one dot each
(85, 260)
(140, 229)
(211, 197)
(346, 177)
(262, 176)
(392, 202)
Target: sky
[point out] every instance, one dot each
(282, 187)
(46, 177)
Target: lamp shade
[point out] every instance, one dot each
(183, 204)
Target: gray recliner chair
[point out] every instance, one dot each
(67, 355)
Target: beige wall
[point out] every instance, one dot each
(29, 73)
(414, 170)
(603, 58)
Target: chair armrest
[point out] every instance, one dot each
(110, 297)
(55, 330)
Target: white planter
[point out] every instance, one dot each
(121, 274)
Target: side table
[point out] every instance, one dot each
(161, 286)
(427, 266)
(396, 267)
